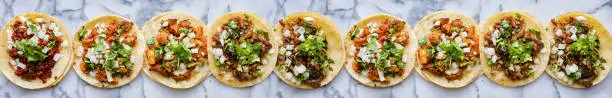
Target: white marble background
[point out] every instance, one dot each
(343, 12)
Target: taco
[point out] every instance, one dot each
(448, 53)
(34, 50)
(581, 48)
(243, 49)
(311, 53)
(108, 51)
(513, 47)
(380, 51)
(176, 50)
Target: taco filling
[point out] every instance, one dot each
(303, 55)
(449, 49)
(106, 50)
(177, 49)
(575, 52)
(513, 47)
(240, 48)
(378, 49)
(34, 47)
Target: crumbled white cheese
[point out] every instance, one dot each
(405, 58)
(109, 75)
(23, 19)
(45, 50)
(164, 24)
(288, 62)
(580, 18)
(34, 39)
(440, 55)
(19, 64)
(559, 32)
(372, 26)
(218, 52)
(458, 39)
(64, 44)
(194, 50)
(464, 34)
(288, 53)
(289, 47)
(562, 76)
(573, 37)
(12, 62)
(171, 37)
(489, 51)
(116, 65)
(287, 33)
(300, 30)
(381, 75)
(360, 32)
(42, 35)
(289, 76)
(352, 50)
(222, 59)
(454, 34)
(454, 69)
(191, 35)
(494, 58)
(299, 69)
(363, 54)
(9, 32)
(309, 19)
(466, 50)
(282, 51)
(53, 27)
(169, 56)
(182, 69)
(100, 26)
(582, 36)
(301, 38)
(571, 68)
(187, 42)
(571, 29)
(398, 46)
(181, 35)
(80, 51)
(39, 20)
(561, 46)
(57, 33)
(437, 23)
(444, 40)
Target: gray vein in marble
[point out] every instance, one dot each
(556, 88)
(609, 3)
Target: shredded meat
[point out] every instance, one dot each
(316, 74)
(114, 31)
(518, 33)
(588, 73)
(245, 25)
(386, 31)
(175, 28)
(448, 28)
(34, 70)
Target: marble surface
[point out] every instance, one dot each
(344, 13)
